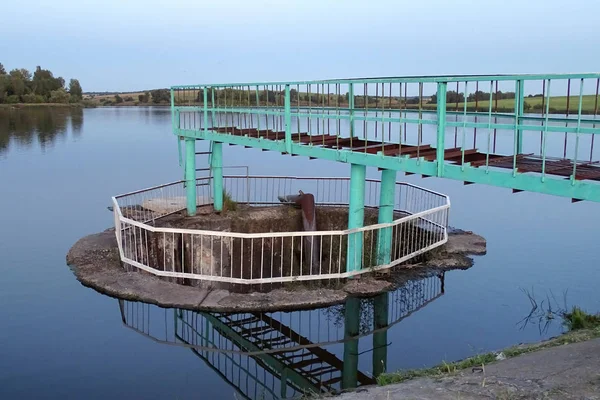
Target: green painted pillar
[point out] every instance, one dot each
(386, 215)
(356, 216)
(351, 107)
(287, 108)
(351, 330)
(441, 127)
(519, 109)
(190, 175)
(381, 309)
(216, 168)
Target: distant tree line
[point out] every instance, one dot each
(454, 97)
(158, 96)
(485, 96)
(20, 86)
(451, 97)
(228, 97)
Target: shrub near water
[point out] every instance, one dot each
(579, 319)
(581, 325)
(228, 203)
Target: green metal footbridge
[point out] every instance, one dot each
(523, 132)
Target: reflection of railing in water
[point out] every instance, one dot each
(281, 354)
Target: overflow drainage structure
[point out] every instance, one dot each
(155, 234)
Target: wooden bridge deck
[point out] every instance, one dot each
(524, 163)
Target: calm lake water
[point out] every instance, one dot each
(58, 339)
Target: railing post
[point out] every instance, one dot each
(174, 124)
(380, 339)
(288, 120)
(356, 216)
(190, 175)
(205, 100)
(519, 108)
(386, 215)
(441, 126)
(351, 107)
(351, 330)
(216, 168)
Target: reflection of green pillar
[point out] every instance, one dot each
(380, 338)
(351, 329)
(386, 215)
(356, 216)
(190, 175)
(283, 384)
(216, 167)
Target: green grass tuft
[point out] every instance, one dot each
(228, 203)
(578, 319)
(443, 369)
(591, 331)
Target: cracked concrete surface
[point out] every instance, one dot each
(95, 261)
(570, 371)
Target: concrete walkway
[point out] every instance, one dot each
(570, 371)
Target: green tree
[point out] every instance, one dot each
(293, 95)
(144, 98)
(200, 96)
(160, 96)
(19, 81)
(483, 96)
(451, 97)
(33, 98)
(118, 99)
(44, 82)
(2, 70)
(21, 73)
(3, 88)
(59, 96)
(75, 89)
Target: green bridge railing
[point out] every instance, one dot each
(524, 132)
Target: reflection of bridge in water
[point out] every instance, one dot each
(282, 354)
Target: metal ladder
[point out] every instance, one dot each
(205, 172)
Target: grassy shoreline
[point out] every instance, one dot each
(559, 106)
(60, 105)
(582, 327)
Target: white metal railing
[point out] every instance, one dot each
(419, 225)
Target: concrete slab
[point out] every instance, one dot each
(570, 371)
(172, 204)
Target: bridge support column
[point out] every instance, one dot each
(441, 127)
(216, 168)
(519, 109)
(381, 307)
(190, 175)
(351, 329)
(386, 215)
(356, 216)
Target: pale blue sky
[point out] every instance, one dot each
(120, 45)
